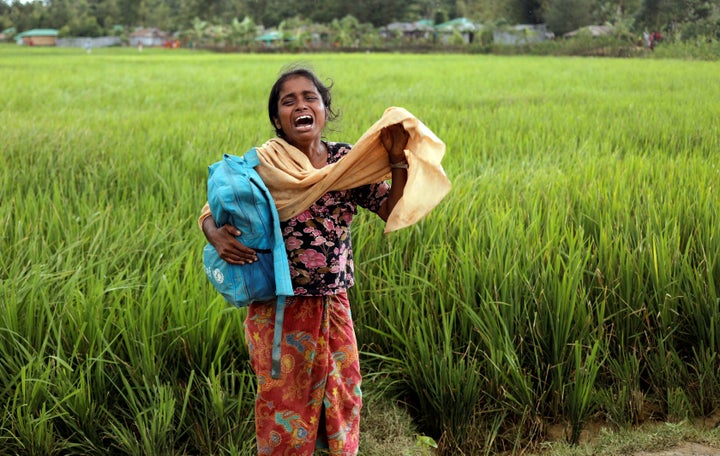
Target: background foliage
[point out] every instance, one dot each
(685, 18)
(570, 276)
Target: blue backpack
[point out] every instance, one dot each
(238, 196)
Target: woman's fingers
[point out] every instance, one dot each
(232, 250)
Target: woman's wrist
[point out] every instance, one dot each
(209, 228)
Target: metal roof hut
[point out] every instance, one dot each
(272, 38)
(37, 37)
(462, 25)
(7, 33)
(411, 31)
(148, 37)
(592, 30)
(521, 34)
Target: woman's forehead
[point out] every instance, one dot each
(298, 84)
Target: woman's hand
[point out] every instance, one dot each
(394, 138)
(229, 248)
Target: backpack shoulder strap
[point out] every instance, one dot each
(277, 337)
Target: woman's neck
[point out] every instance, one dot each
(317, 153)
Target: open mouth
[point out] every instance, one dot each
(303, 121)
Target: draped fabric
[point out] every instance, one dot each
(295, 184)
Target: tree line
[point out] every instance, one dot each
(106, 17)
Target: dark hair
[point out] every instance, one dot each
(294, 72)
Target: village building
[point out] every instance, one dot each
(424, 30)
(272, 38)
(592, 30)
(522, 34)
(37, 37)
(7, 34)
(148, 37)
(462, 25)
(420, 30)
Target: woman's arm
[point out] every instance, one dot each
(223, 239)
(394, 138)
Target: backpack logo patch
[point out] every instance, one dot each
(218, 275)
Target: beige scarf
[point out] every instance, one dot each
(295, 184)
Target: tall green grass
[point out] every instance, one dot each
(571, 274)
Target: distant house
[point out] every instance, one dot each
(37, 37)
(422, 29)
(270, 38)
(592, 30)
(462, 25)
(274, 37)
(83, 42)
(522, 34)
(148, 37)
(7, 33)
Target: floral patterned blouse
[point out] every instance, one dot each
(318, 240)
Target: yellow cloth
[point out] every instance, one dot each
(295, 184)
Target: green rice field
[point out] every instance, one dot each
(571, 276)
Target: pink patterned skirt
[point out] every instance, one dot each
(317, 399)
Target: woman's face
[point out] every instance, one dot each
(301, 112)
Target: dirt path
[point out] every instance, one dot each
(685, 449)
